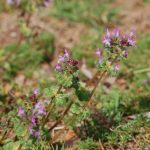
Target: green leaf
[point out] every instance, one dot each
(19, 128)
(61, 99)
(12, 145)
(50, 91)
(75, 108)
(64, 79)
(83, 94)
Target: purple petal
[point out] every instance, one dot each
(38, 105)
(131, 42)
(66, 53)
(58, 67)
(108, 34)
(132, 34)
(34, 132)
(36, 92)
(39, 109)
(61, 59)
(34, 120)
(21, 112)
(107, 38)
(31, 129)
(37, 134)
(116, 33)
(106, 41)
(98, 52)
(117, 67)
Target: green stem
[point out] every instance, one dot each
(62, 117)
(93, 91)
(96, 85)
(44, 120)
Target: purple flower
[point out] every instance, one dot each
(39, 109)
(116, 33)
(58, 67)
(36, 92)
(132, 34)
(107, 39)
(34, 132)
(117, 67)
(98, 52)
(61, 59)
(21, 112)
(131, 42)
(108, 33)
(66, 55)
(34, 120)
(37, 133)
(130, 39)
(31, 129)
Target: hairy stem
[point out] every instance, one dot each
(44, 120)
(96, 85)
(94, 89)
(63, 115)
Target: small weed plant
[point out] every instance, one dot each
(69, 101)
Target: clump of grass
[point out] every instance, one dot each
(88, 144)
(89, 12)
(25, 59)
(128, 131)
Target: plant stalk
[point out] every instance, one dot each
(63, 115)
(51, 107)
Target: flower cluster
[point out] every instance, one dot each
(44, 3)
(33, 117)
(64, 61)
(116, 38)
(116, 46)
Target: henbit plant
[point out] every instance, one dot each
(70, 100)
